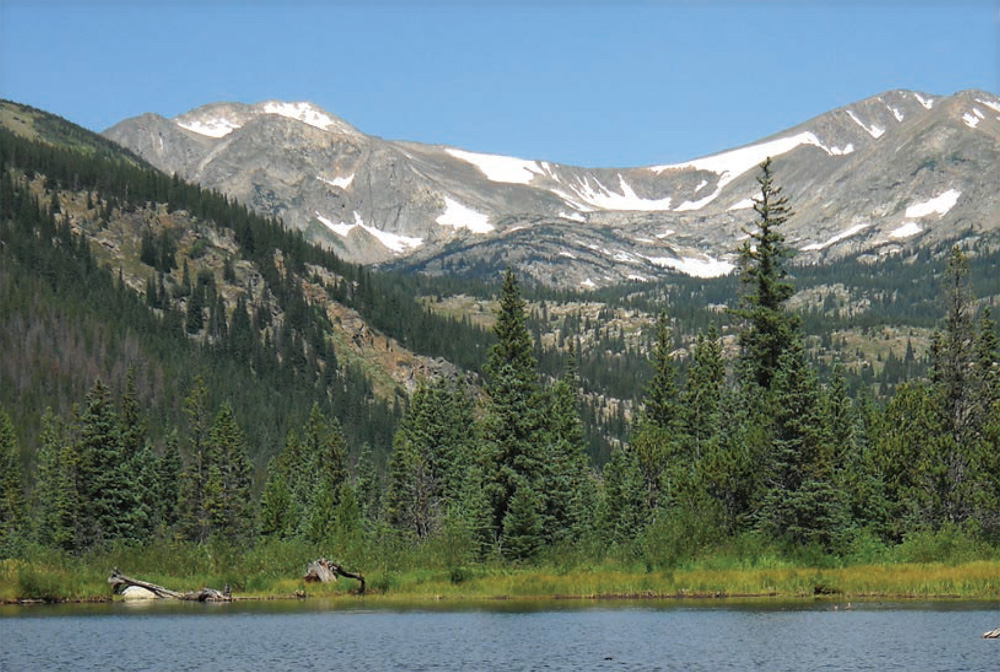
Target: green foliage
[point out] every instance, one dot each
(12, 505)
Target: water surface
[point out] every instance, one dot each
(645, 635)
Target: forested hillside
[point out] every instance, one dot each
(177, 367)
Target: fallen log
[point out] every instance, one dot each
(120, 582)
(992, 634)
(324, 571)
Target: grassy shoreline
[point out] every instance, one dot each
(24, 582)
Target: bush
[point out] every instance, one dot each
(951, 544)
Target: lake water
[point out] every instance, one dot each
(645, 635)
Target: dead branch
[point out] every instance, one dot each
(119, 582)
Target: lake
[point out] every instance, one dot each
(539, 635)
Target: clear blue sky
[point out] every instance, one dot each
(594, 83)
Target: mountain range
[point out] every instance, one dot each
(881, 176)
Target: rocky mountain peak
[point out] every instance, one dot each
(217, 120)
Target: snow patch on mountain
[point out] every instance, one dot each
(907, 230)
(895, 112)
(496, 168)
(873, 130)
(572, 216)
(307, 113)
(836, 239)
(745, 204)
(697, 268)
(463, 217)
(973, 118)
(940, 204)
(339, 182)
(391, 241)
(992, 104)
(340, 229)
(730, 165)
(601, 197)
(216, 127)
(928, 103)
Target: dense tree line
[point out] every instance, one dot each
(754, 448)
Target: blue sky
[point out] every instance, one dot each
(594, 83)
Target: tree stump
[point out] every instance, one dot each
(325, 571)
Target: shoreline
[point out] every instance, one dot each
(53, 583)
(402, 598)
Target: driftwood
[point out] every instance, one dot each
(119, 582)
(992, 634)
(324, 571)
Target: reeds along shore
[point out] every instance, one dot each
(276, 570)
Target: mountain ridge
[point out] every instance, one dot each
(441, 209)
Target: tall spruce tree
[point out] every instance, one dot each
(770, 329)
(513, 424)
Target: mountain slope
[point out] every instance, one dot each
(877, 177)
(107, 264)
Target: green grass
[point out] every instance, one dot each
(274, 570)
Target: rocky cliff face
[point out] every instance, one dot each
(870, 179)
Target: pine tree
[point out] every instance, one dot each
(368, 487)
(770, 330)
(953, 367)
(660, 407)
(569, 493)
(229, 484)
(410, 504)
(55, 496)
(194, 516)
(702, 395)
(513, 424)
(800, 503)
(109, 503)
(657, 442)
(169, 468)
(277, 518)
(325, 451)
(137, 456)
(348, 531)
(622, 513)
(12, 505)
(730, 469)
(521, 536)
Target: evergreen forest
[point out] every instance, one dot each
(165, 389)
